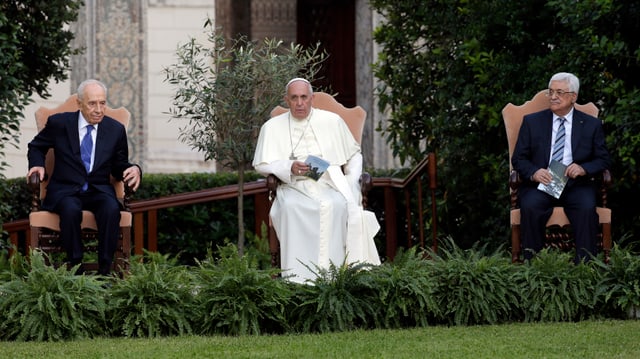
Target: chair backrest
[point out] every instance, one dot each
(42, 114)
(354, 117)
(513, 115)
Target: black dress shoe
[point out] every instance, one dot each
(80, 270)
(76, 262)
(104, 269)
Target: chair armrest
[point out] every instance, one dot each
(128, 193)
(606, 178)
(605, 182)
(366, 183)
(514, 180)
(33, 183)
(272, 186)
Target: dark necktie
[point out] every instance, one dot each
(558, 146)
(86, 146)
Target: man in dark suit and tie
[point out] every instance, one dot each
(89, 147)
(575, 139)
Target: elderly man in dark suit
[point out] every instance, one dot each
(574, 139)
(89, 147)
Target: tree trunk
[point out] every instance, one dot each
(241, 211)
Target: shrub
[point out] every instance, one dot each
(474, 288)
(405, 291)
(51, 304)
(555, 289)
(339, 299)
(235, 297)
(154, 299)
(620, 283)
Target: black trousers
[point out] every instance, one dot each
(106, 210)
(579, 202)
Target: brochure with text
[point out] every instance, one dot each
(559, 180)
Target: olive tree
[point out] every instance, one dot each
(225, 90)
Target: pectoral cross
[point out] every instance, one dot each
(292, 157)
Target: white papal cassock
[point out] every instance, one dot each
(317, 222)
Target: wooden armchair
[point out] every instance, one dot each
(354, 118)
(45, 226)
(556, 236)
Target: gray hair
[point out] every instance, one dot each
(286, 88)
(569, 78)
(84, 84)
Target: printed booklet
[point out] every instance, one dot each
(558, 181)
(317, 166)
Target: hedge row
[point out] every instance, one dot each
(228, 295)
(188, 231)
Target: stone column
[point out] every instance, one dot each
(233, 17)
(112, 36)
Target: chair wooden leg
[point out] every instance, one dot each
(606, 241)
(33, 241)
(274, 247)
(515, 243)
(122, 263)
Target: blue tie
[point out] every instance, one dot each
(86, 147)
(558, 146)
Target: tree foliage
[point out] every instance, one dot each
(447, 68)
(226, 92)
(35, 47)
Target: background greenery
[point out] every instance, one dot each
(191, 231)
(35, 46)
(447, 68)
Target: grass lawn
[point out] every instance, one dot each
(588, 339)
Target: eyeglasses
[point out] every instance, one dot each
(560, 93)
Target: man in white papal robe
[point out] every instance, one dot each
(317, 222)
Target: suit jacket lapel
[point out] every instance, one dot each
(576, 129)
(101, 138)
(547, 130)
(74, 135)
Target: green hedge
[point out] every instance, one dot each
(194, 230)
(190, 231)
(229, 295)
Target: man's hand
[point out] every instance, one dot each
(298, 168)
(575, 170)
(36, 169)
(131, 176)
(542, 175)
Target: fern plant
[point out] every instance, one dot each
(155, 299)
(620, 283)
(474, 287)
(340, 298)
(51, 304)
(405, 291)
(12, 267)
(235, 297)
(555, 289)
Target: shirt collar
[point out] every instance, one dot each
(82, 122)
(568, 117)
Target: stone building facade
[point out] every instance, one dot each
(128, 43)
